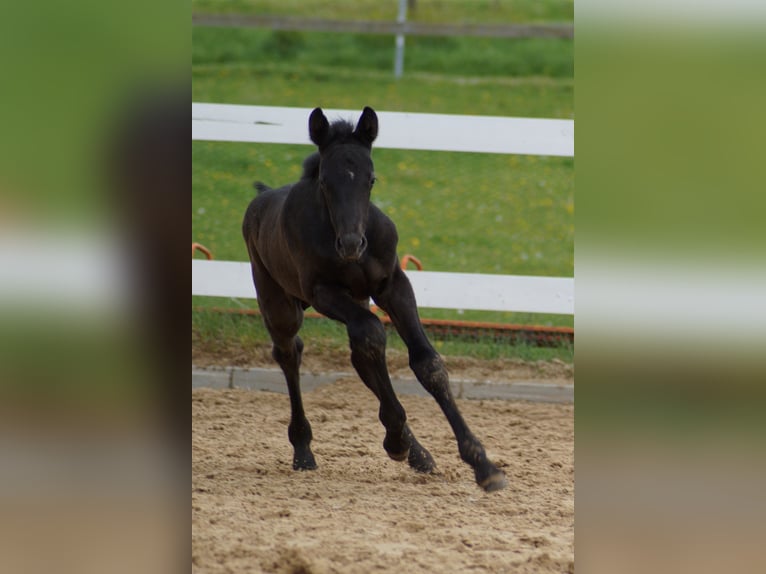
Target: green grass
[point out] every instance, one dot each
(277, 84)
(216, 332)
(432, 11)
(501, 57)
(461, 212)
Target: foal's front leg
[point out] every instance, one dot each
(398, 300)
(367, 339)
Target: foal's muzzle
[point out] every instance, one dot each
(350, 246)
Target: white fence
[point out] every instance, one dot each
(467, 291)
(398, 130)
(438, 132)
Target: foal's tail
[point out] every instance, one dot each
(261, 187)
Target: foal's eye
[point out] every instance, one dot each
(373, 179)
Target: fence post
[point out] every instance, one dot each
(401, 18)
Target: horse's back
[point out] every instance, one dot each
(262, 208)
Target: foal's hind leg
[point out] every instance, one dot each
(398, 300)
(288, 353)
(283, 317)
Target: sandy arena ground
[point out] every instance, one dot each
(362, 512)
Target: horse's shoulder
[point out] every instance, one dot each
(383, 238)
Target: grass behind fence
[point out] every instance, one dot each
(427, 11)
(467, 56)
(232, 334)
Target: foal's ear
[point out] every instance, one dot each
(367, 128)
(319, 127)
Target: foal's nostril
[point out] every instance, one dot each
(363, 244)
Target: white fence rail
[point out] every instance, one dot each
(467, 291)
(398, 130)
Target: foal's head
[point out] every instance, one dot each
(346, 176)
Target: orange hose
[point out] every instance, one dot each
(203, 249)
(407, 258)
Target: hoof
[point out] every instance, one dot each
(399, 456)
(420, 460)
(306, 462)
(495, 481)
(398, 447)
(304, 466)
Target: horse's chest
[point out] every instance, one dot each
(357, 281)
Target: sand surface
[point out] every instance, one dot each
(362, 512)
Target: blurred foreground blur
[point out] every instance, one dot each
(93, 187)
(671, 276)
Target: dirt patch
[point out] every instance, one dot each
(334, 360)
(361, 511)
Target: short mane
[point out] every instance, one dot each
(340, 131)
